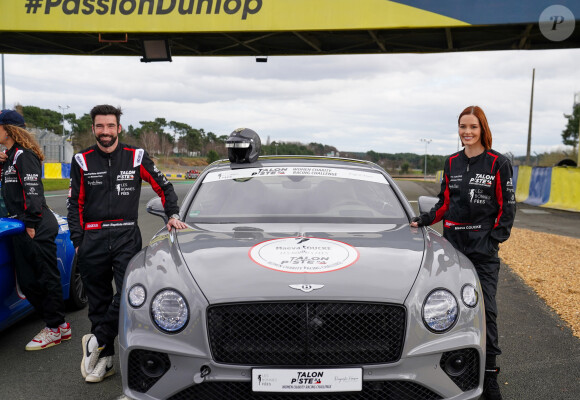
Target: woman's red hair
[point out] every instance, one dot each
(480, 115)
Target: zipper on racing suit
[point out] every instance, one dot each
(111, 187)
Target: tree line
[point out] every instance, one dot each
(160, 137)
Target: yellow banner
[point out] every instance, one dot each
(142, 16)
(565, 189)
(523, 183)
(52, 171)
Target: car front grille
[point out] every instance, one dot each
(382, 390)
(306, 333)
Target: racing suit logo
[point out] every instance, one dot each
(126, 175)
(477, 196)
(482, 180)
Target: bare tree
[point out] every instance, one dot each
(150, 142)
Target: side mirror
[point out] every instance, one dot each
(426, 203)
(155, 207)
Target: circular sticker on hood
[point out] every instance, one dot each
(304, 255)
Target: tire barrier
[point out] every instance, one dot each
(550, 187)
(56, 171)
(564, 189)
(524, 177)
(62, 171)
(540, 186)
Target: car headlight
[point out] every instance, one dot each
(469, 296)
(440, 310)
(169, 310)
(137, 296)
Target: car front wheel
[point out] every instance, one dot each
(77, 298)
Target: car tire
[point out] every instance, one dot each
(77, 298)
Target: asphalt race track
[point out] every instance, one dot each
(541, 357)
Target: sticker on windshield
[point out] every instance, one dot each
(303, 255)
(296, 171)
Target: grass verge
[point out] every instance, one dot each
(55, 184)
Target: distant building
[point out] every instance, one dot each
(54, 147)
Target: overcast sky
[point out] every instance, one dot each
(385, 103)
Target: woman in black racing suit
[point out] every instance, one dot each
(477, 206)
(35, 259)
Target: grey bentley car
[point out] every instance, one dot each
(300, 277)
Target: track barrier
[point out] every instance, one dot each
(550, 187)
(62, 171)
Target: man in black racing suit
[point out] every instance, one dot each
(103, 202)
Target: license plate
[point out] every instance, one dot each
(307, 380)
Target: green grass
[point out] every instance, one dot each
(55, 184)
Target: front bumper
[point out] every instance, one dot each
(151, 374)
(422, 365)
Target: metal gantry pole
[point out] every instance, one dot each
(3, 86)
(63, 109)
(427, 141)
(530, 119)
(577, 104)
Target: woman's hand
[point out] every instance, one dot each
(416, 222)
(31, 232)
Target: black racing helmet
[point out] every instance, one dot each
(243, 146)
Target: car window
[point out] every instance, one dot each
(295, 194)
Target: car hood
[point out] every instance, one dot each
(250, 264)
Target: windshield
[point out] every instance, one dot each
(295, 194)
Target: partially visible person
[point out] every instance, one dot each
(34, 249)
(103, 204)
(477, 206)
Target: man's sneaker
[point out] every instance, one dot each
(490, 386)
(103, 369)
(65, 333)
(91, 351)
(45, 338)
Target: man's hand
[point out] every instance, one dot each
(31, 232)
(175, 223)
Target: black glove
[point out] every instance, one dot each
(418, 220)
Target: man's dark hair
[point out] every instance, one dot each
(105, 109)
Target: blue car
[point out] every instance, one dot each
(13, 304)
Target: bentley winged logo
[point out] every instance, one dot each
(306, 287)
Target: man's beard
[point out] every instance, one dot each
(106, 140)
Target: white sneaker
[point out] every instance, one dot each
(103, 369)
(44, 339)
(91, 351)
(65, 333)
